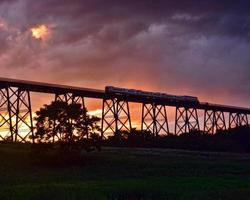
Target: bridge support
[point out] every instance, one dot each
(16, 115)
(154, 119)
(70, 98)
(115, 116)
(6, 127)
(186, 120)
(214, 121)
(237, 119)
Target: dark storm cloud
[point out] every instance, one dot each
(181, 46)
(214, 17)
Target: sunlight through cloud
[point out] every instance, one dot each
(40, 32)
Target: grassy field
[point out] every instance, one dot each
(122, 173)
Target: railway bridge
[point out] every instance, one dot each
(16, 109)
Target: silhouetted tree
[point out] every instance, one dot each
(60, 121)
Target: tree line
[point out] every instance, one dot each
(71, 126)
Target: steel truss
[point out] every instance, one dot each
(214, 121)
(186, 120)
(70, 98)
(237, 119)
(16, 115)
(115, 116)
(5, 116)
(154, 119)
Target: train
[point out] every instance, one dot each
(153, 95)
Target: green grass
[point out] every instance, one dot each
(122, 173)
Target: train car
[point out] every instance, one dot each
(111, 89)
(190, 99)
(116, 90)
(153, 95)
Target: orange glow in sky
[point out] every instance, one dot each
(40, 32)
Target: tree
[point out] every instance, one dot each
(60, 121)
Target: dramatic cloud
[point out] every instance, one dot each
(186, 47)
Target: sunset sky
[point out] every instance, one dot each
(198, 48)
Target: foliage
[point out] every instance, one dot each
(67, 124)
(234, 140)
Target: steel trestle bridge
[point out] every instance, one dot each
(16, 109)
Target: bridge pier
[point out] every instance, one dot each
(214, 121)
(186, 120)
(237, 119)
(16, 104)
(70, 98)
(115, 116)
(248, 121)
(154, 119)
(5, 115)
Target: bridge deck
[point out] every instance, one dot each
(51, 88)
(100, 94)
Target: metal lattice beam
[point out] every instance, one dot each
(209, 121)
(6, 128)
(220, 122)
(115, 116)
(123, 116)
(23, 127)
(154, 119)
(70, 98)
(214, 121)
(237, 119)
(16, 115)
(186, 120)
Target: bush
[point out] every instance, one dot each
(233, 140)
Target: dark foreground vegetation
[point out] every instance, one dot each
(69, 161)
(233, 140)
(72, 128)
(122, 173)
